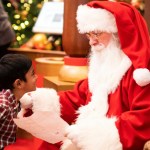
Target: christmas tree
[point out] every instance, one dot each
(23, 15)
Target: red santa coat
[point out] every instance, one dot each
(130, 103)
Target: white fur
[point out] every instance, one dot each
(91, 19)
(141, 76)
(93, 130)
(95, 134)
(68, 145)
(106, 70)
(43, 99)
(26, 101)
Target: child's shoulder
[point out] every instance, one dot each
(6, 96)
(5, 93)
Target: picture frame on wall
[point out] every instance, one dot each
(50, 19)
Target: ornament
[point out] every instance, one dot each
(49, 46)
(39, 41)
(39, 6)
(24, 14)
(39, 38)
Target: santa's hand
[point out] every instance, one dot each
(72, 133)
(95, 133)
(69, 145)
(72, 141)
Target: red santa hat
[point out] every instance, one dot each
(132, 30)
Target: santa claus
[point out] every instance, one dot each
(110, 110)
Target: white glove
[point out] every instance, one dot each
(95, 134)
(68, 145)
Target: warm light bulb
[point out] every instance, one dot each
(16, 16)
(30, 1)
(22, 1)
(22, 36)
(8, 4)
(22, 25)
(18, 38)
(26, 23)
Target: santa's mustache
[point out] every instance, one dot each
(98, 47)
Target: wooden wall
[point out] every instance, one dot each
(147, 13)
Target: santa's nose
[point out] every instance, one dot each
(93, 41)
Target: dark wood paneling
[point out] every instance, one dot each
(147, 13)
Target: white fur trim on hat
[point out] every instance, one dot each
(95, 19)
(141, 76)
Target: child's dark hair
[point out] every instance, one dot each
(12, 67)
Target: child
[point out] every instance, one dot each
(17, 77)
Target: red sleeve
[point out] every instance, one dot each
(134, 125)
(73, 99)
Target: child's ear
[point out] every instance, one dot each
(17, 83)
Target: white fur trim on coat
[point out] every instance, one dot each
(142, 76)
(95, 134)
(95, 19)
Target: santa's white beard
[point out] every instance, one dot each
(103, 63)
(98, 47)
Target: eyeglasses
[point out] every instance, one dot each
(94, 35)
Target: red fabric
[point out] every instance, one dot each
(39, 144)
(132, 31)
(39, 82)
(28, 113)
(21, 144)
(31, 144)
(131, 109)
(75, 61)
